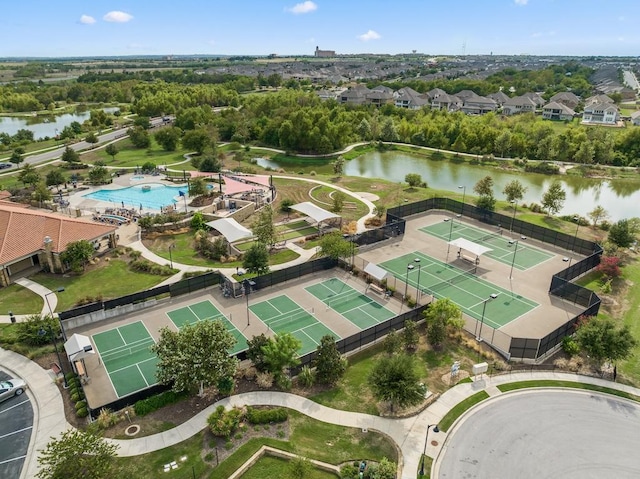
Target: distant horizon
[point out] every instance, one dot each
(104, 28)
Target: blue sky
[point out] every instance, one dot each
(259, 27)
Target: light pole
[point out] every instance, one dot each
(575, 237)
(418, 294)
(484, 307)
(406, 281)
(464, 192)
(424, 451)
(55, 345)
(515, 206)
(513, 261)
(170, 256)
(247, 290)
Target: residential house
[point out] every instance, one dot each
(519, 104)
(356, 95)
(499, 97)
(537, 99)
(598, 99)
(33, 240)
(409, 98)
(326, 94)
(635, 118)
(466, 94)
(601, 114)
(566, 98)
(435, 93)
(379, 96)
(446, 102)
(478, 105)
(557, 111)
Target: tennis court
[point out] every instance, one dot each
(206, 311)
(127, 357)
(507, 250)
(357, 307)
(283, 315)
(463, 288)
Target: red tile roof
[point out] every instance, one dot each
(22, 231)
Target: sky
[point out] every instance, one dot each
(44, 28)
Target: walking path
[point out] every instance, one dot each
(407, 433)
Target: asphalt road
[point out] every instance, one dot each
(16, 424)
(546, 434)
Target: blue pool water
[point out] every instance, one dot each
(133, 196)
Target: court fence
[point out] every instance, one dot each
(523, 349)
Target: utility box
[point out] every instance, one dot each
(479, 368)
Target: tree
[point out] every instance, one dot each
(16, 157)
(29, 175)
(395, 379)
(98, 175)
(392, 342)
(139, 137)
(410, 336)
(388, 131)
(142, 122)
(198, 221)
(263, 227)
(286, 204)
(622, 234)
(379, 211)
(112, 150)
(210, 164)
(41, 192)
(385, 469)
(55, 178)
(413, 179)
(338, 201)
(196, 356)
(487, 203)
(442, 314)
(338, 166)
(603, 340)
(335, 246)
(196, 140)
(553, 199)
(609, 267)
(168, 138)
(502, 144)
(256, 259)
(329, 363)
(77, 254)
(281, 353)
(70, 155)
(197, 187)
(597, 214)
(92, 138)
(76, 455)
(255, 353)
(484, 186)
(514, 191)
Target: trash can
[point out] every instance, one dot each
(12, 317)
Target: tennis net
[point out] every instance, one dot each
(127, 350)
(342, 299)
(488, 236)
(465, 275)
(287, 318)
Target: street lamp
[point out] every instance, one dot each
(424, 451)
(515, 206)
(42, 332)
(418, 293)
(575, 237)
(406, 282)
(248, 284)
(170, 256)
(464, 192)
(484, 307)
(513, 261)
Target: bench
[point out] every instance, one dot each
(377, 289)
(55, 367)
(470, 259)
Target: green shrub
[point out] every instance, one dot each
(80, 405)
(75, 397)
(146, 266)
(37, 330)
(306, 377)
(153, 403)
(222, 422)
(266, 416)
(82, 412)
(570, 346)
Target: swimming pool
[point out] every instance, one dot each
(134, 196)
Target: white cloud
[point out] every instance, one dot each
(370, 35)
(87, 20)
(117, 17)
(305, 7)
(521, 2)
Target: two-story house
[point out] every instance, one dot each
(601, 114)
(557, 111)
(519, 104)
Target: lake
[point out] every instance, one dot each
(621, 198)
(43, 126)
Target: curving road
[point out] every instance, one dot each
(545, 434)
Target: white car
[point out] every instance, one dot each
(11, 387)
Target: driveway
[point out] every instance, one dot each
(549, 433)
(16, 424)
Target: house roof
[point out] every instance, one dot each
(435, 93)
(565, 96)
(22, 231)
(598, 99)
(466, 94)
(520, 101)
(537, 99)
(635, 114)
(554, 105)
(499, 96)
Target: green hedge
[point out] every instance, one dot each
(153, 403)
(266, 416)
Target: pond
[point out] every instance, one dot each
(619, 197)
(43, 126)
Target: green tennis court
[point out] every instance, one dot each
(505, 249)
(463, 288)
(283, 315)
(127, 357)
(206, 311)
(357, 307)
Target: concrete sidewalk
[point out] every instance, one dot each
(45, 293)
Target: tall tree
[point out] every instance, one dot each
(196, 356)
(441, 315)
(16, 157)
(597, 214)
(77, 254)
(55, 178)
(338, 166)
(338, 201)
(139, 137)
(410, 336)
(280, 354)
(329, 363)
(91, 138)
(255, 353)
(168, 138)
(256, 259)
(484, 186)
(514, 191)
(196, 140)
(553, 199)
(76, 455)
(70, 155)
(29, 175)
(335, 246)
(603, 340)
(395, 379)
(622, 233)
(112, 150)
(264, 228)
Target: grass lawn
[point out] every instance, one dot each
(269, 466)
(459, 409)
(19, 300)
(110, 280)
(129, 156)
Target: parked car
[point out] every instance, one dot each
(11, 387)
(5, 165)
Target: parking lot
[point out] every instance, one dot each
(16, 417)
